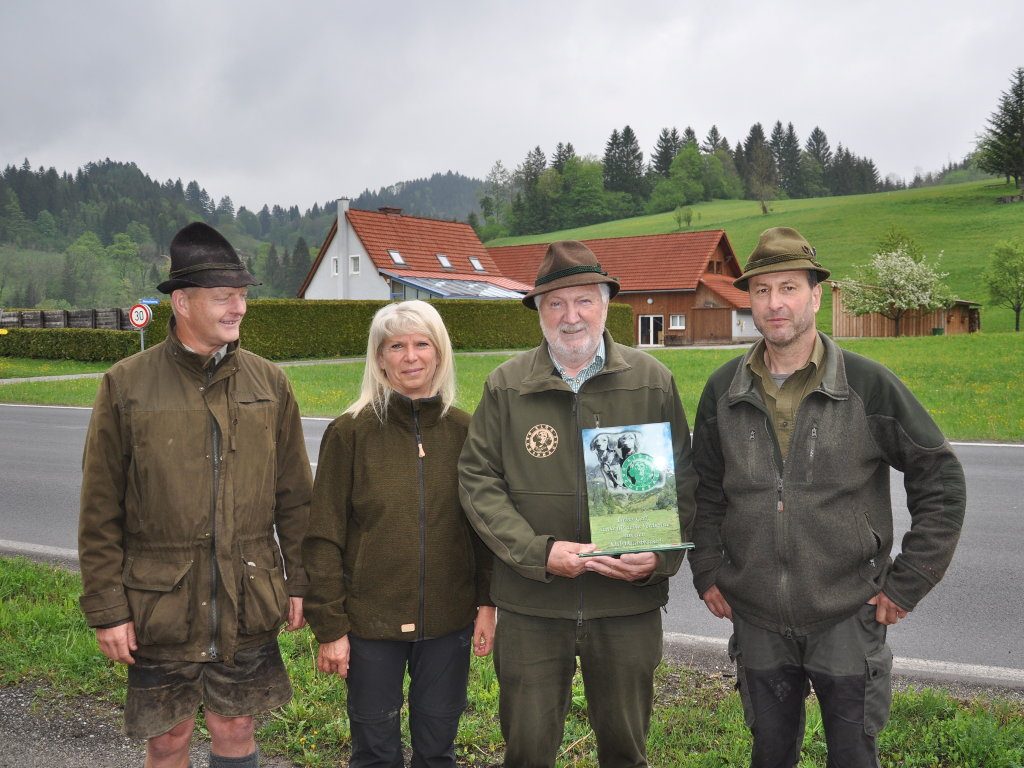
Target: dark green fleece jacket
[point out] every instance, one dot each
(522, 494)
(800, 544)
(389, 554)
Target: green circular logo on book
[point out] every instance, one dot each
(639, 473)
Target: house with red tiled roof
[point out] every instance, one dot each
(386, 254)
(679, 284)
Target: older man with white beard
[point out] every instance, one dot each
(523, 486)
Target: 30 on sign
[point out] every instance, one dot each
(140, 315)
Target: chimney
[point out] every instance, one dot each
(344, 290)
(390, 210)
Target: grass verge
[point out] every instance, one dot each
(20, 367)
(698, 720)
(970, 383)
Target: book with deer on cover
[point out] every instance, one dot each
(631, 489)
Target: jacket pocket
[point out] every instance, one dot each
(159, 596)
(264, 599)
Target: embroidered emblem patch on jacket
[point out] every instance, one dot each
(541, 441)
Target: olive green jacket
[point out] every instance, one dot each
(390, 555)
(187, 474)
(522, 497)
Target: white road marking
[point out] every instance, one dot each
(1007, 677)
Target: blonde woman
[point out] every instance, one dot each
(398, 579)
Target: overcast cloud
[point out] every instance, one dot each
(295, 102)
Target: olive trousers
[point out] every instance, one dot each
(535, 660)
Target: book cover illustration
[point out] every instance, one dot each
(631, 488)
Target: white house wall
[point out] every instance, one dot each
(368, 284)
(743, 328)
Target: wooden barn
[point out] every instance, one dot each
(961, 317)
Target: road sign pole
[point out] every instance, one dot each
(140, 315)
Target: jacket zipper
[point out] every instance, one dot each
(215, 440)
(422, 515)
(580, 484)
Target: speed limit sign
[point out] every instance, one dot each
(140, 315)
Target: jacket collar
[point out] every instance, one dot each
(401, 410)
(543, 375)
(833, 382)
(192, 361)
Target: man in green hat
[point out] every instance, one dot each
(793, 444)
(523, 486)
(194, 460)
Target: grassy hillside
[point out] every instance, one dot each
(963, 221)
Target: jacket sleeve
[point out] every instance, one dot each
(294, 482)
(486, 500)
(105, 463)
(706, 557)
(686, 482)
(324, 545)
(912, 443)
(483, 560)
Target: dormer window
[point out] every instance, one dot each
(476, 264)
(444, 260)
(396, 257)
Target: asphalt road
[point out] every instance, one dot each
(974, 617)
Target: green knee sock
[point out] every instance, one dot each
(248, 761)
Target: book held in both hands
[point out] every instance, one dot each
(631, 489)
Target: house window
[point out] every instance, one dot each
(677, 322)
(353, 264)
(334, 266)
(396, 257)
(445, 261)
(476, 264)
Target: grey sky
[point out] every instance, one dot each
(301, 102)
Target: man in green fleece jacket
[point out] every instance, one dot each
(793, 444)
(523, 486)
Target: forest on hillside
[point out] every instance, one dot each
(570, 190)
(99, 236)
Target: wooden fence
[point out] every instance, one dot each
(113, 319)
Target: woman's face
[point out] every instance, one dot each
(410, 362)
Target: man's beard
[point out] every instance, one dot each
(571, 354)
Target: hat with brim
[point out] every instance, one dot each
(202, 258)
(566, 264)
(780, 249)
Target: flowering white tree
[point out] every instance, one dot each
(894, 283)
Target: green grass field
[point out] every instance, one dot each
(970, 384)
(698, 719)
(962, 221)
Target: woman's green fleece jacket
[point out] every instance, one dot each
(389, 553)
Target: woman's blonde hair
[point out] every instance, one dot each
(397, 320)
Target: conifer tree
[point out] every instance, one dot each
(632, 163)
(1001, 147)
(818, 148)
(788, 160)
(614, 172)
(665, 151)
(563, 153)
(300, 264)
(712, 142)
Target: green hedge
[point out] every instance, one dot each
(68, 344)
(291, 329)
